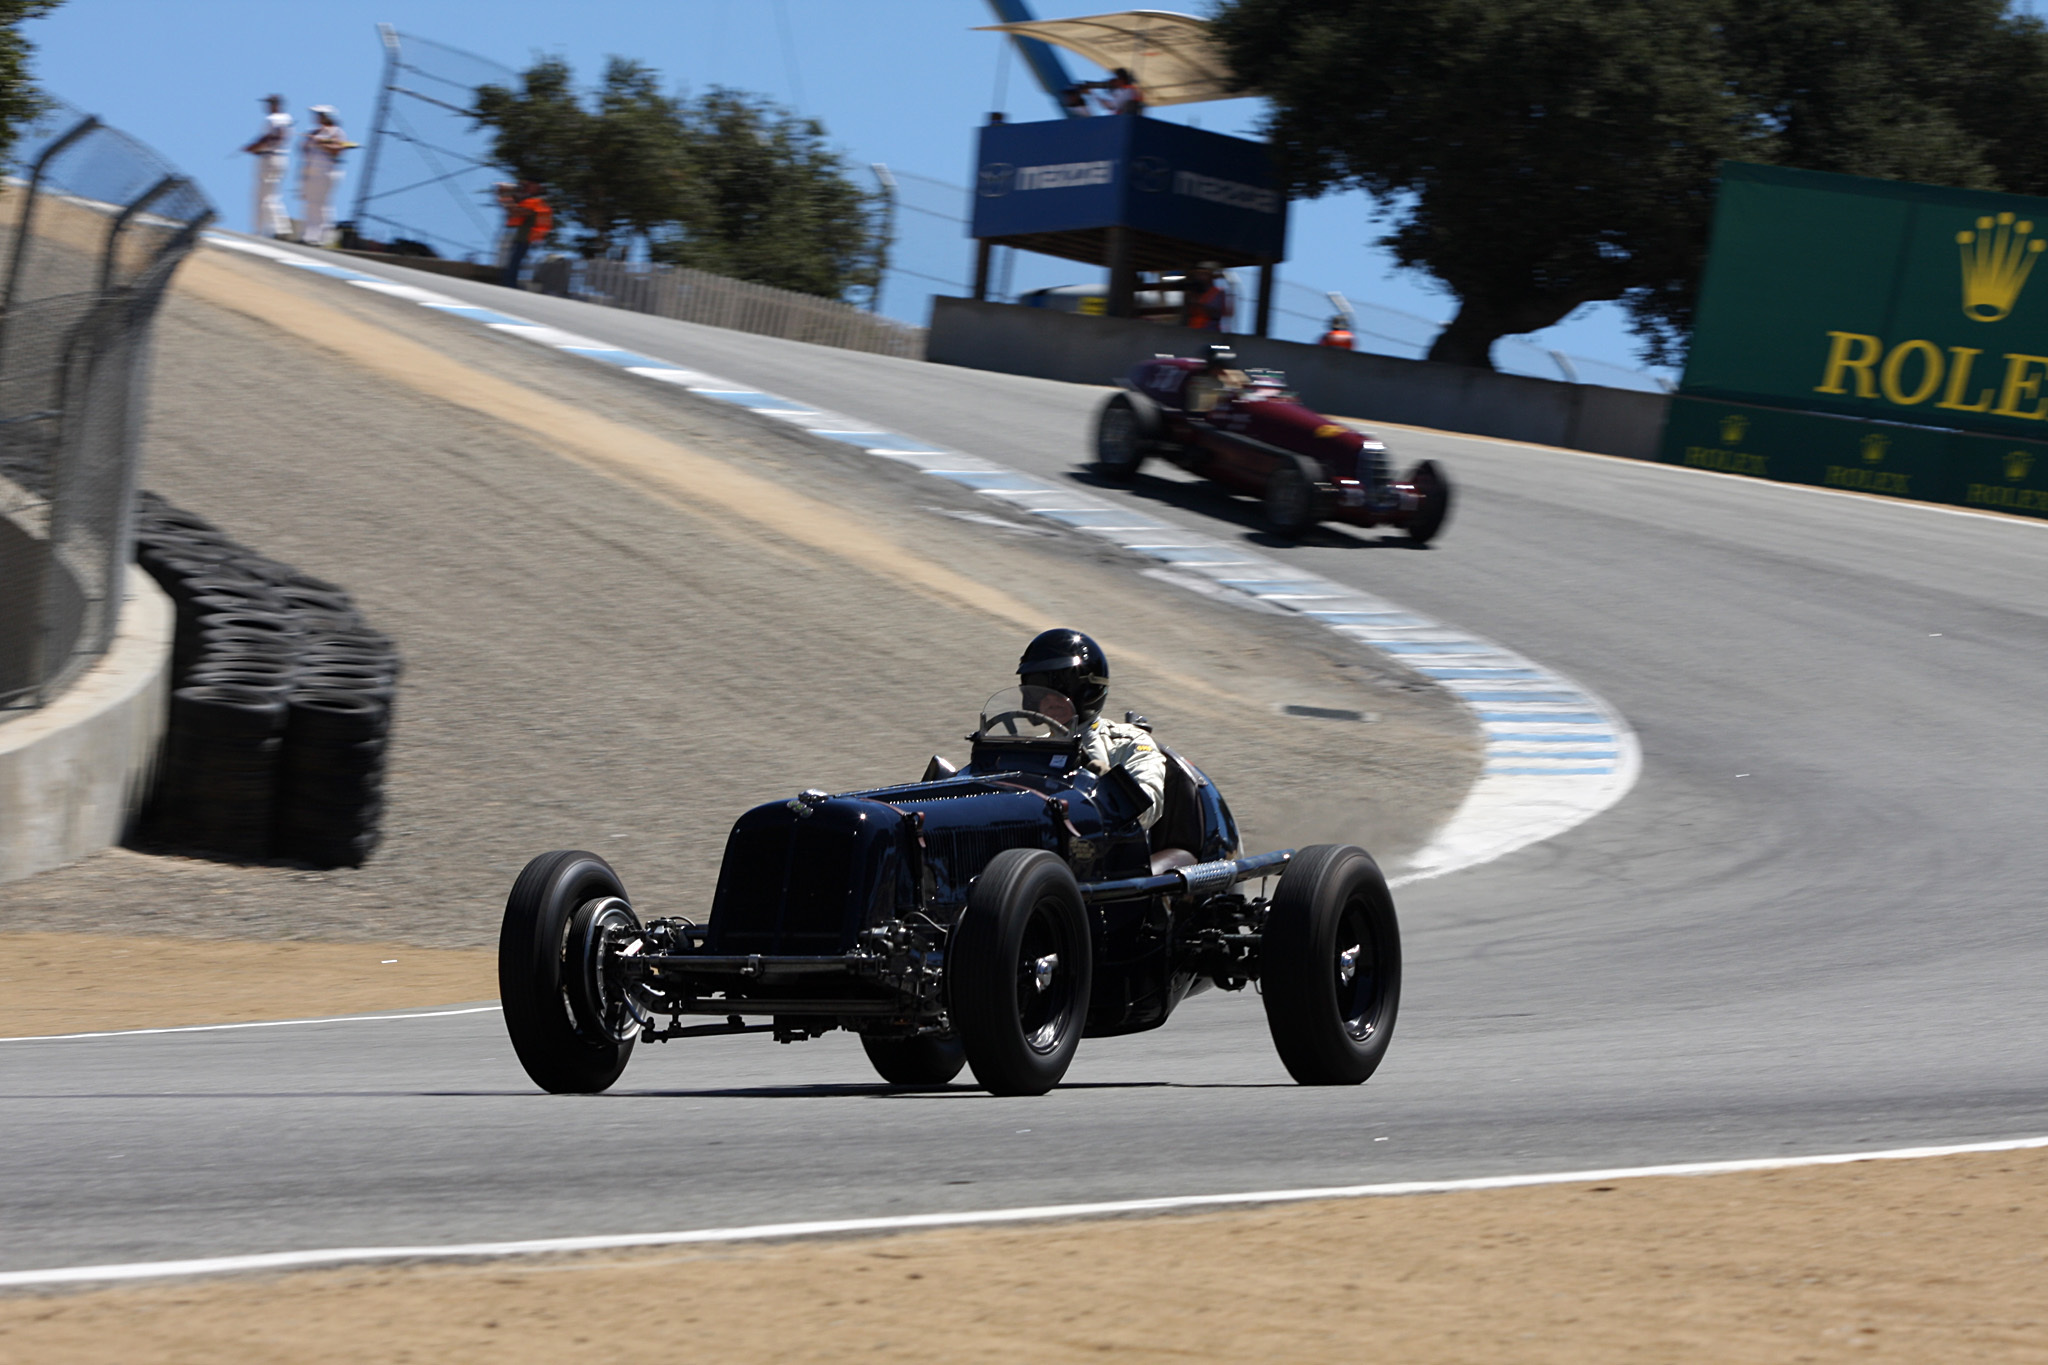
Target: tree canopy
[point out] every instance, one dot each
(1537, 155)
(19, 101)
(726, 182)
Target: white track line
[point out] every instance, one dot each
(329, 1256)
(260, 1023)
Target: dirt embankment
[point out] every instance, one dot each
(1935, 1260)
(627, 619)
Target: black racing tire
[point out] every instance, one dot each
(1330, 966)
(1290, 502)
(537, 967)
(1433, 491)
(322, 716)
(225, 712)
(1125, 431)
(1020, 968)
(932, 1059)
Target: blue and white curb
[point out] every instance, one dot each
(1555, 754)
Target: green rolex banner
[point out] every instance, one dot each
(1913, 311)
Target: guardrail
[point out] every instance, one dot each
(89, 237)
(718, 301)
(1423, 393)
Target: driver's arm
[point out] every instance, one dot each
(1140, 757)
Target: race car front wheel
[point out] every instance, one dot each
(1330, 966)
(571, 1039)
(1124, 433)
(1019, 971)
(1433, 494)
(1290, 503)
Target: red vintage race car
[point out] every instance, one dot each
(1247, 432)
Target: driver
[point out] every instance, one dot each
(1218, 379)
(1071, 664)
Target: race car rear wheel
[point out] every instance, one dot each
(1433, 492)
(932, 1059)
(1290, 503)
(1124, 433)
(1019, 972)
(1330, 966)
(560, 1022)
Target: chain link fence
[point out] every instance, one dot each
(92, 223)
(427, 176)
(717, 301)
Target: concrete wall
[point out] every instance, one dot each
(1088, 350)
(74, 772)
(22, 645)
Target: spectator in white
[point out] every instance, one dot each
(271, 147)
(320, 175)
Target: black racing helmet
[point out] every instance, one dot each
(1071, 664)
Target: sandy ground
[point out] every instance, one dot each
(78, 983)
(1931, 1260)
(629, 615)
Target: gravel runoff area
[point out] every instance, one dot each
(629, 614)
(1937, 1259)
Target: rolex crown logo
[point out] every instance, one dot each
(1874, 446)
(1732, 428)
(1996, 260)
(2017, 463)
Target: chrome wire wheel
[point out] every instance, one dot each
(597, 1003)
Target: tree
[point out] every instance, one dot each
(616, 171)
(1537, 155)
(728, 182)
(772, 202)
(19, 99)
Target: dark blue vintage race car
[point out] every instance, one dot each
(991, 916)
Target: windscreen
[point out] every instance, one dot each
(1025, 713)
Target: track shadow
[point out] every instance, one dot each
(955, 1091)
(1219, 504)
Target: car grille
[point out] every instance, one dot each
(785, 890)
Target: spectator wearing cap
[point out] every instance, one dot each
(271, 148)
(531, 219)
(320, 174)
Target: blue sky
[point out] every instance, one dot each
(904, 82)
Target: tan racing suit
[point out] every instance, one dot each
(1111, 742)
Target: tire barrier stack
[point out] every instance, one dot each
(281, 704)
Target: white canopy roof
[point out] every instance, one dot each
(1170, 56)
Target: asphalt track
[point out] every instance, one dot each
(1815, 925)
